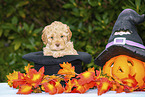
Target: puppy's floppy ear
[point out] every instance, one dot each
(70, 34)
(44, 35)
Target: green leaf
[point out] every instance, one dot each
(93, 3)
(22, 14)
(26, 27)
(131, 2)
(72, 1)
(37, 30)
(11, 10)
(17, 45)
(32, 41)
(76, 12)
(6, 33)
(22, 3)
(11, 37)
(32, 27)
(98, 17)
(12, 62)
(137, 3)
(68, 6)
(19, 29)
(7, 26)
(14, 20)
(1, 32)
(90, 28)
(80, 25)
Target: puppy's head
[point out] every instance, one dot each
(56, 36)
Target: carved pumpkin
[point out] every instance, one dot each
(121, 66)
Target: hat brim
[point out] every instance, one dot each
(116, 50)
(39, 58)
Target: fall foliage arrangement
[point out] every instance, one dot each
(36, 82)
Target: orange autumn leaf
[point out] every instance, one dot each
(104, 86)
(142, 88)
(37, 90)
(11, 77)
(20, 81)
(86, 77)
(78, 88)
(25, 89)
(68, 71)
(50, 88)
(44, 80)
(48, 78)
(91, 70)
(33, 77)
(59, 87)
(26, 68)
(98, 73)
(126, 84)
(120, 89)
(90, 85)
(130, 81)
(130, 84)
(54, 77)
(69, 86)
(116, 86)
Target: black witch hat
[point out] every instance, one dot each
(124, 39)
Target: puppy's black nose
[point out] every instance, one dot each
(57, 44)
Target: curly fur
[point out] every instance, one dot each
(57, 37)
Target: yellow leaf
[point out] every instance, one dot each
(68, 71)
(17, 45)
(11, 77)
(26, 68)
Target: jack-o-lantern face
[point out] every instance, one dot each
(121, 66)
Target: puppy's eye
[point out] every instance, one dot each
(61, 36)
(51, 37)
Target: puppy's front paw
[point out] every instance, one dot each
(57, 54)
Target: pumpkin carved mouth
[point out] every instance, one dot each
(122, 66)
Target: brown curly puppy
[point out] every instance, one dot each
(57, 37)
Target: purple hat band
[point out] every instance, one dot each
(123, 41)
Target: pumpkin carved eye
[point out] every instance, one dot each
(130, 63)
(112, 64)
